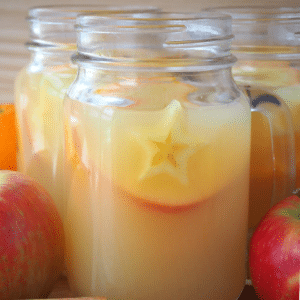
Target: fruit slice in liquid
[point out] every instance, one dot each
(171, 156)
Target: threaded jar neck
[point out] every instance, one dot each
(52, 27)
(266, 32)
(160, 40)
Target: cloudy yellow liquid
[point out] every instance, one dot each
(158, 197)
(39, 102)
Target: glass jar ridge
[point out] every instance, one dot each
(155, 40)
(265, 31)
(54, 25)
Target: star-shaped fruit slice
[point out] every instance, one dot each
(165, 154)
(168, 157)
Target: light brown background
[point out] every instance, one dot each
(14, 30)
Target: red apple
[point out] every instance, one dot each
(31, 238)
(274, 256)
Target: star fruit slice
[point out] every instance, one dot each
(151, 154)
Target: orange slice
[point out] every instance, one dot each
(8, 137)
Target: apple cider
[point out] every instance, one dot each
(157, 162)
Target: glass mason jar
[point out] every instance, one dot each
(158, 150)
(40, 89)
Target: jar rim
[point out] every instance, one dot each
(214, 25)
(258, 13)
(167, 28)
(93, 21)
(264, 32)
(65, 14)
(52, 27)
(151, 40)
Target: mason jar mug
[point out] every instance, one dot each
(267, 45)
(157, 139)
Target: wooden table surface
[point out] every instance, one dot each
(61, 290)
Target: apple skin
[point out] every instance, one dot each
(274, 256)
(31, 238)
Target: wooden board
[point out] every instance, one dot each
(61, 290)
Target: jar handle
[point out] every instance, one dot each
(283, 149)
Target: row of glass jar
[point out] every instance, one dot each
(142, 137)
